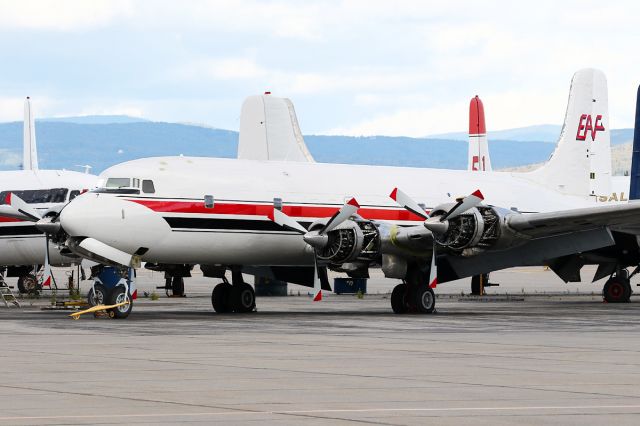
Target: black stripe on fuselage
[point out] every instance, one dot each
(10, 231)
(224, 224)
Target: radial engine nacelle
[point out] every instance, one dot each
(476, 230)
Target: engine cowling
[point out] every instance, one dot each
(476, 230)
(355, 239)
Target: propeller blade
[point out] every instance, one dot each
(46, 276)
(21, 206)
(286, 222)
(317, 288)
(346, 211)
(408, 203)
(433, 272)
(463, 205)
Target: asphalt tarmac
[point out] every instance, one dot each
(533, 351)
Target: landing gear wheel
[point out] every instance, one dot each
(177, 286)
(100, 298)
(425, 299)
(398, 299)
(28, 284)
(616, 290)
(243, 298)
(118, 296)
(220, 298)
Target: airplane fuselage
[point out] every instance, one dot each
(214, 211)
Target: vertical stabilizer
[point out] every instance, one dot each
(269, 130)
(581, 162)
(478, 157)
(634, 191)
(30, 153)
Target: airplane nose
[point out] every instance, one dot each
(123, 224)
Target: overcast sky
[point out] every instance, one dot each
(350, 67)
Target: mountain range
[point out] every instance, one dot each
(102, 141)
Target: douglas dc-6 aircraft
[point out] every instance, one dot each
(229, 214)
(22, 245)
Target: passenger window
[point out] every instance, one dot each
(208, 201)
(148, 187)
(73, 194)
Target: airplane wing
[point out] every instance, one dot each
(620, 217)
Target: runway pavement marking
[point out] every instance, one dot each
(327, 411)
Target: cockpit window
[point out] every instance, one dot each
(38, 196)
(148, 187)
(118, 183)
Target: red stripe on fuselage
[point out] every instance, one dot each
(266, 209)
(10, 219)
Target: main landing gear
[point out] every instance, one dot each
(414, 295)
(237, 297)
(617, 289)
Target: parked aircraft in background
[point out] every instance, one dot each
(229, 214)
(478, 157)
(22, 245)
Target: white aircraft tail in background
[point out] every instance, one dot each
(30, 152)
(581, 162)
(269, 130)
(478, 158)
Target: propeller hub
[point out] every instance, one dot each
(434, 225)
(316, 240)
(48, 226)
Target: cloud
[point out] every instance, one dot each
(236, 68)
(503, 110)
(67, 15)
(10, 159)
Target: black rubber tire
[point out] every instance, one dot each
(616, 290)
(243, 298)
(425, 299)
(398, 299)
(101, 292)
(28, 284)
(177, 286)
(221, 297)
(117, 296)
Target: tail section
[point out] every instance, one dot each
(581, 162)
(634, 191)
(478, 158)
(30, 153)
(269, 130)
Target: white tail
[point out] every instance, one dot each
(581, 162)
(269, 130)
(478, 158)
(30, 153)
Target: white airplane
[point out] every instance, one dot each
(22, 245)
(229, 214)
